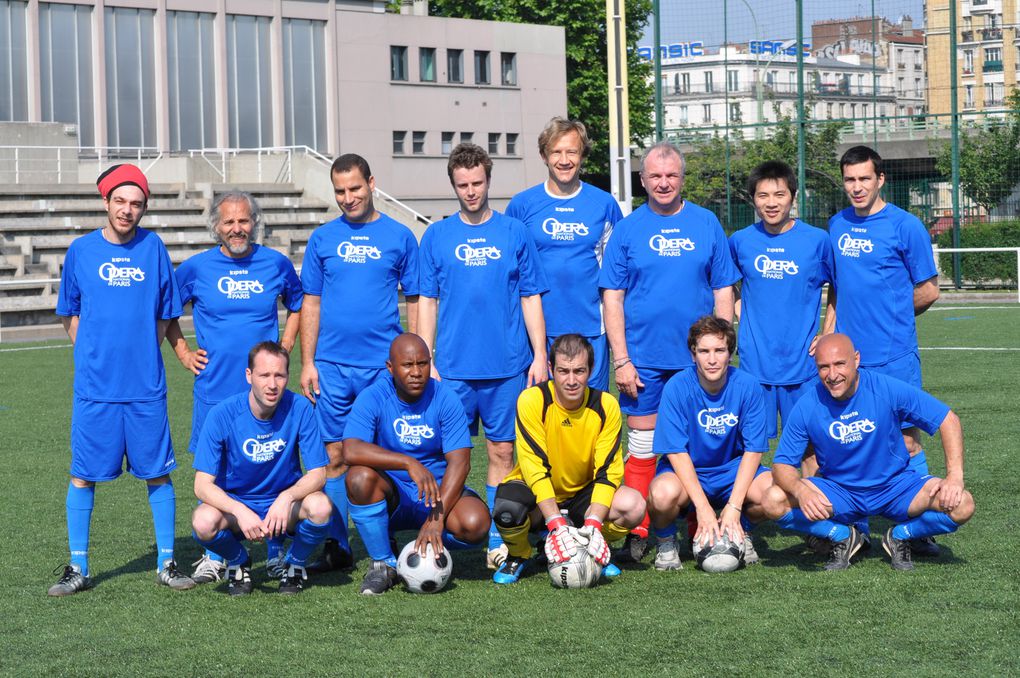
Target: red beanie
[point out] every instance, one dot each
(119, 175)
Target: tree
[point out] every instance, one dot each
(584, 23)
(989, 158)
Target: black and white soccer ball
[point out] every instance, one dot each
(724, 555)
(580, 572)
(424, 574)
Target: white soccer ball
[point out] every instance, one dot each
(722, 556)
(580, 572)
(424, 574)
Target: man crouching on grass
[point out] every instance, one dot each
(248, 473)
(853, 420)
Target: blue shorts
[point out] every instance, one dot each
(648, 398)
(260, 505)
(905, 368)
(493, 401)
(102, 434)
(599, 377)
(716, 483)
(339, 385)
(779, 402)
(891, 500)
(199, 411)
(410, 512)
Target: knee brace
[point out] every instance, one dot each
(514, 500)
(639, 442)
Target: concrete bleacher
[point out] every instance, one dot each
(39, 222)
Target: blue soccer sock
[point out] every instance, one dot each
(668, 532)
(826, 529)
(919, 464)
(454, 544)
(307, 536)
(495, 538)
(928, 524)
(163, 502)
(226, 545)
(274, 546)
(80, 501)
(373, 523)
(336, 490)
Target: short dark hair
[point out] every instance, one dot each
(270, 347)
(468, 156)
(347, 162)
(710, 325)
(858, 154)
(774, 170)
(570, 346)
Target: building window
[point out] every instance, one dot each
(511, 143)
(494, 138)
(13, 61)
(685, 83)
(398, 142)
(732, 81)
(455, 65)
(482, 68)
(467, 137)
(418, 143)
(864, 111)
(735, 113)
(65, 66)
(828, 111)
(446, 146)
(427, 64)
(130, 76)
(683, 115)
(706, 112)
(968, 61)
(304, 83)
(708, 81)
(508, 68)
(249, 92)
(398, 62)
(191, 80)
(853, 111)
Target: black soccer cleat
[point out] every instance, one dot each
(635, 547)
(379, 579)
(843, 551)
(71, 581)
(925, 547)
(293, 580)
(334, 557)
(898, 550)
(239, 579)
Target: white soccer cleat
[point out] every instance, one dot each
(750, 555)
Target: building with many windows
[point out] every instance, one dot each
(171, 76)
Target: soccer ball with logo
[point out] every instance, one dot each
(580, 572)
(424, 574)
(723, 555)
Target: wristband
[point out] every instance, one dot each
(555, 522)
(593, 521)
(620, 362)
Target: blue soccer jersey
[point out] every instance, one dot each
(426, 430)
(780, 297)
(570, 234)
(879, 259)
(256, 460)
(858, 442)
(479, 274)
(119, 293)
(355, 269)
(712, 429)
(669, 267)
(234, 308)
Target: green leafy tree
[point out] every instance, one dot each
(584, 23)
(989, 159)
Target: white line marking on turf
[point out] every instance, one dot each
(1014, 307)
(33, 348)
(965, 348)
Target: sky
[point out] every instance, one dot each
(687, 20)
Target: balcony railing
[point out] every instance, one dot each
(966, 36)
(992, 66)
(991, 34)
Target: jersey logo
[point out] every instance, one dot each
(261, 452)
(854, 247)
(717, 424)
(239, 289)
(120, 276)
(566, 422)
(477, 256)
(558, 230)
(412, 434)
(774, 268)
(852, 432)
(357, 254)
(670, 247)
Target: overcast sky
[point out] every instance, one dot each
(687, 20)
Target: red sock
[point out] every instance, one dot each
(638, 473)
(692, 525)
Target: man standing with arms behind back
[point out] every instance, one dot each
(352, 267)
(885, 276)
(117, 296)
(570, 222)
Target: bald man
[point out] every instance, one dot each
(409, 452)
(852, 418)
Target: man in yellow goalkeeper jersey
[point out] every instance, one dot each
(569, 468)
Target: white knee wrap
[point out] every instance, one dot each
(639, 442)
